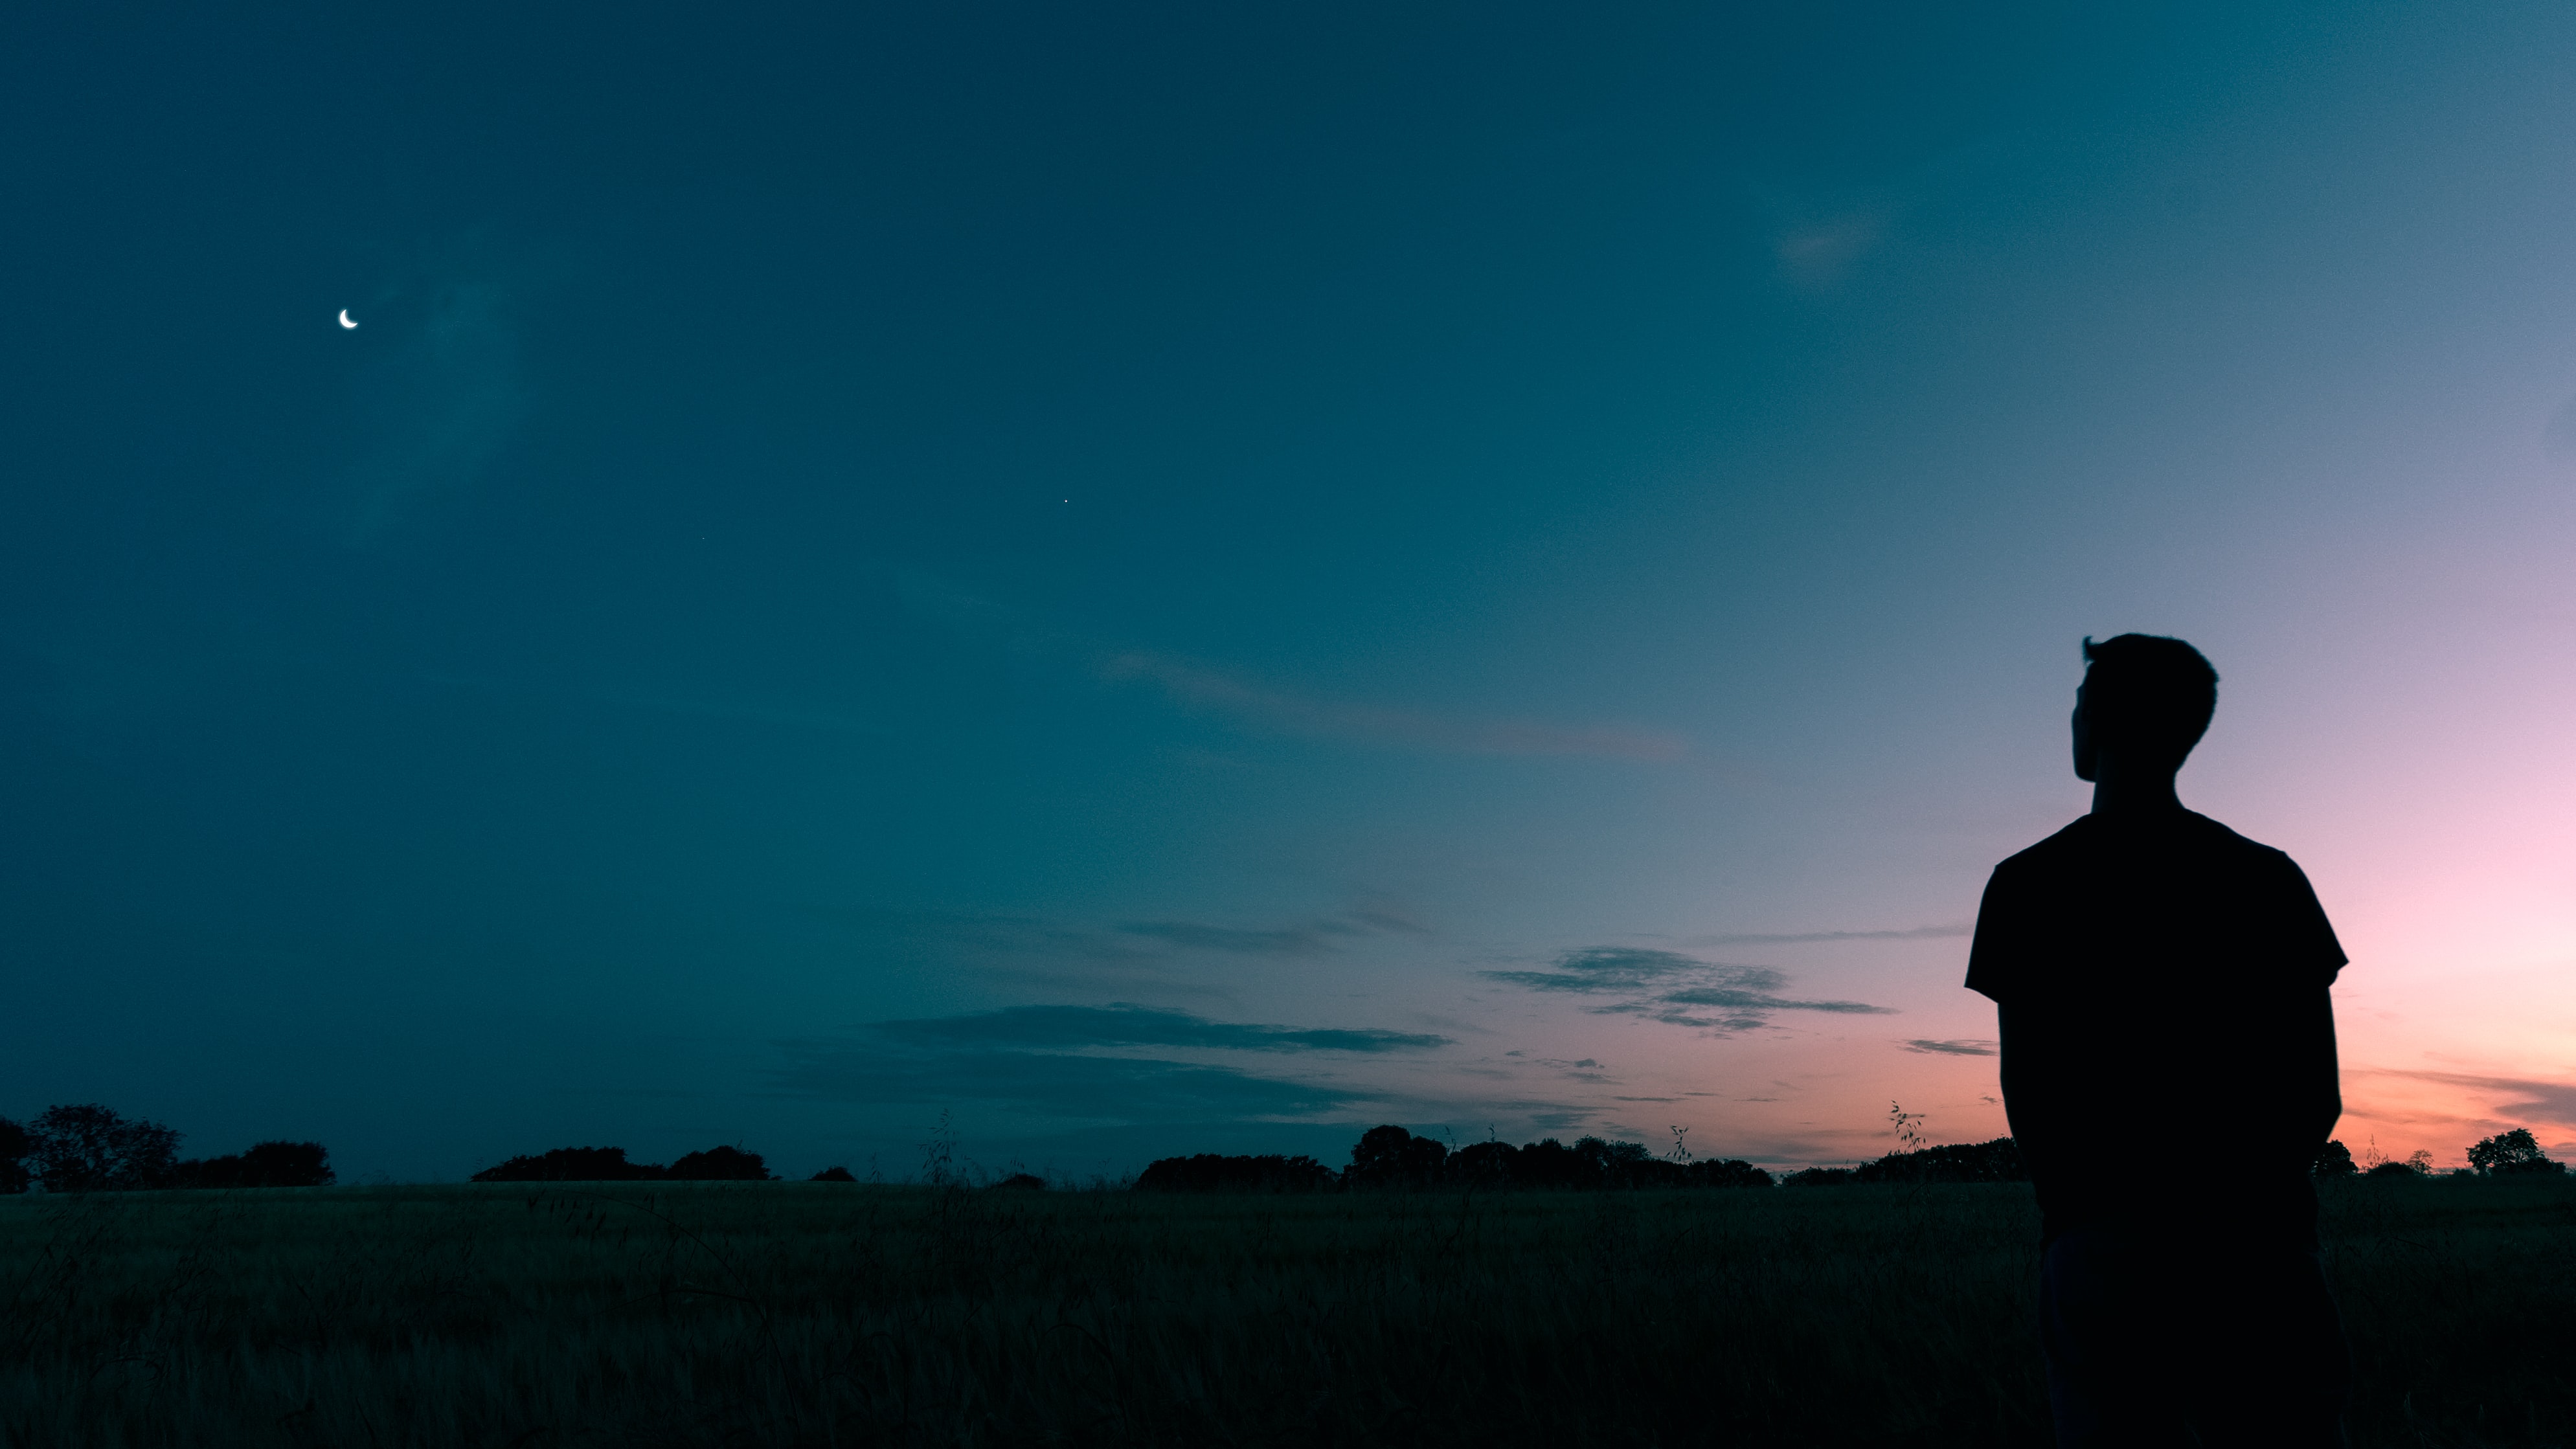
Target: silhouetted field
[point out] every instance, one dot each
(823, 1314)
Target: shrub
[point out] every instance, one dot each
(2334, 1160)
(1209, 1172)
(266, 1164)
(1591, 1163)
(1821, 1177)
(720, 1164)
(1021, 1182)
(833, 1174)
(572, 1164)
(1723, 1172)
(2394, 1169)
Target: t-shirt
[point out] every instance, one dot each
(2168, 1041)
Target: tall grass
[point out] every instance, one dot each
(795, 1314)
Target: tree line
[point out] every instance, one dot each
(2507, 1154)
(1391, 1157)
(90, 1148)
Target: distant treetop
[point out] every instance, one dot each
(609, 1164)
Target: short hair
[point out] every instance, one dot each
(2147, 693)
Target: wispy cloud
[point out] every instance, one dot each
(1910, 933)
(1962, 1047)
(1204, 1079)
(2521, 1099)
(1263, 708)
(1386, 914)
(1148, 955)
(1312, 937)
(1618, 968)
(1671, 987)
(1064, 1062)
(1285, 713)
(1301, 940)
(1819, 253)
(1122, 1024)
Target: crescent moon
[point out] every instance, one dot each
(345, 322)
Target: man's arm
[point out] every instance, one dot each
(2036, 1095)
(2312, 958)
(2321, 1095)
(1995, 952)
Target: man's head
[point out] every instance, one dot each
(2146, 699)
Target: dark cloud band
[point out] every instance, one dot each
(1049, 1084)
(1671, 987)
(1064, 1028)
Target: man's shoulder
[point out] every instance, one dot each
(2059, 849)
(2217, 839)
(2082, 837)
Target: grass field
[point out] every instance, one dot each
(812, 1314)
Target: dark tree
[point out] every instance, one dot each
(1392, 1157)
(88, 1148)
(2335, 1160)
(1210, 1172)
(1646, 1172)
(719, 1164)
(1592, 1163)
(833, 1174)
(1483, 1164)
(266, 1164)
(1995, 1161)
(1821, 1177)
(1723, 1172)
(1613, 1164)
(2394, 1169)
(2510, 1153)
(1548, 1163)
(572, 1164)
(15, 1144)
(1021, 1182)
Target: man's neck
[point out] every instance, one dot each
(2146, 795)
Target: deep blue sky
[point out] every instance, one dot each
(1175, 579)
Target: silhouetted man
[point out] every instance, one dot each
(2169, 1069)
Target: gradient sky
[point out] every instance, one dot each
(1198, 578)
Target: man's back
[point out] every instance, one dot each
(2168, 1044)
(2169, 1067)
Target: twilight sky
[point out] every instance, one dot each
(1187, 578)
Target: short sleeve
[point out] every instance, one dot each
(1997, 956)
(2309, 950)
